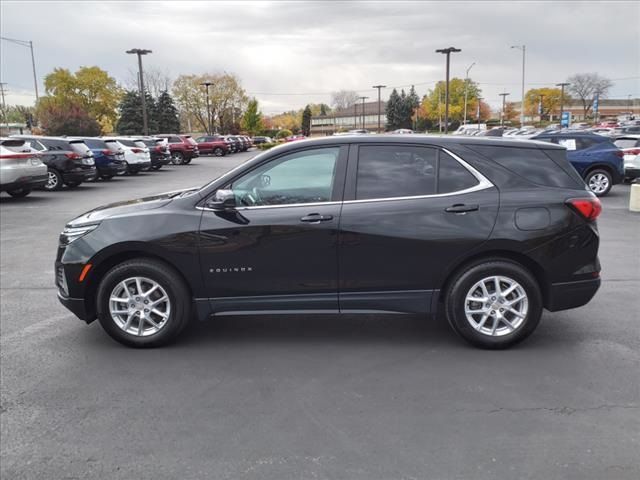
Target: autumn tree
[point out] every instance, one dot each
(344, 99)
(550, 101)
(156, 80)
(65, 117)
(227, 100)
(90, 88)
(252, 118)
(291, 120)
(433, 103)
(586, 86)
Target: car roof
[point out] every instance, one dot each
(573, 134)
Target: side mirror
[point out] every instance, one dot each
(223, 200)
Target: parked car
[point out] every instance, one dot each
(234, 144)
(248, 140)
(608, 124)
(626, 130)
(109, 163)
(69, 162)
(21, 169)
(261, 140)
(602, 131)
(595, 157)
(159, 153)
(630, 147)
(183, 148)
(212, 144)
(241, 144)
(489, 231)
(136, 156)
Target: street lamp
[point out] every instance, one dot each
(540, 108)
(363, 99)
(478, 112)
(447, 52)
(504, 98)
(523, 48)
(139, 52)
(29, 45)
(466, 87)
(562, 85)
(207, 85)
(379, 87)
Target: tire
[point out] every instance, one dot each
(106, 178)
(163, 330)
(599, 182)
(177, 158)
(493, 332)
(187, 161)
(19, 192)
(218, 152)
(156, 167)
(54, 182)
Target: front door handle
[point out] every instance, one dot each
(462, 208)
(316, 218)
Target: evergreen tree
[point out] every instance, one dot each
(323, 109)
(130, 121)
(392, 110)
(166, 114)
(306, 121)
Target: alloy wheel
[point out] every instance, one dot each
(496, 306)
(598, 183)
(139, 306)
(52, 181)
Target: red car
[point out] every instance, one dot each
(213, 144)
(608, 124)
(183, 148)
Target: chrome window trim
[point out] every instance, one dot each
(483, 184)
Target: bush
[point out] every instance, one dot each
(284, 133)
(266, 146)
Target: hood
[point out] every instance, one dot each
(128, 207)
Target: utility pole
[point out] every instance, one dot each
(379, 87)
(439, 109)
(447, 52)
(523, 48)
(504, 97)
(139, 52)
(466, 88)
(363, 99)
(207, 85)
(28, 45)
(540, 108)
(4, 107)
(562, 85)
(355, 115)
(478, 113)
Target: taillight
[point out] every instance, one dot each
(588, 208)
(633, 151)
(136, 150)
(619, 153)
(158, 149)
(107, 152)
(72, 156)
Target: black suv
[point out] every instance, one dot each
(69, 162)
(487, 231)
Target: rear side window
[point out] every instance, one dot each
(452, 176)
(127, 143)
(56, 144)
(94, 143)
(532, 164)
(627, 143)
(190, 140)
(80, 147)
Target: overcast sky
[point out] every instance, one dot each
(279, 49)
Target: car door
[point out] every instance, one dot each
(278, 249)
(409, 212)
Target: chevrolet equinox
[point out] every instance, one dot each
(487, 231)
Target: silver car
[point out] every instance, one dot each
(21, 169)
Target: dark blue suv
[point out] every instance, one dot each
(109, 163)
(596, 158)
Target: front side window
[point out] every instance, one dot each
(300, 177)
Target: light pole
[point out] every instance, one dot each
(562, 85)
(524, 49)
(207, 85)
(139, 52)
(540, 108)
(466, 87)
(478, 113)
(379, 87)
(447, 52)
(504, 98)
(355, 115)
(363, 99)
(29, 45)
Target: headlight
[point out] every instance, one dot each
(71, 234)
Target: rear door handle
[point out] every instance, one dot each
(462, 208)
(316, 218)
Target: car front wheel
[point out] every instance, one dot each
(54, 181)
(177, 158)
(143, 303)
(218, 152)
(599, 182)
(494, 304)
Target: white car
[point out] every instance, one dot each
(630, 146)
(21, 169)
(137, 158)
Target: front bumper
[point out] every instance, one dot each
(563, 296)
(77, 307)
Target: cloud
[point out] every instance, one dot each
(319, 47)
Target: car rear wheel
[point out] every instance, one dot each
(177, 158)
(218, 152)
(494, 304)
(187, 161)
(54, 181)
(599, 182)
(143, 303)
(19, 192)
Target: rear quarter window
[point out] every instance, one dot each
(534, 165)
(627, 143)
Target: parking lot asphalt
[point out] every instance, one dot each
(309, 397)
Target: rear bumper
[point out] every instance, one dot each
(79, 175)
(632, 172)
(33, 181)
(136, 167)
(160, 159)
(112, 168)
(563, 296)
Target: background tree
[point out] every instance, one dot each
(89, 87)
(130, 120)
(344, 99)
(433, 103)
(392, 110)
(550, 101)
(585, 86)
(252, 118)
(227, 100)
(165, 114)
(65, 117)
(306, 121)
(18, 114)
(284, 133)
(291, 120)
(156, 80)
